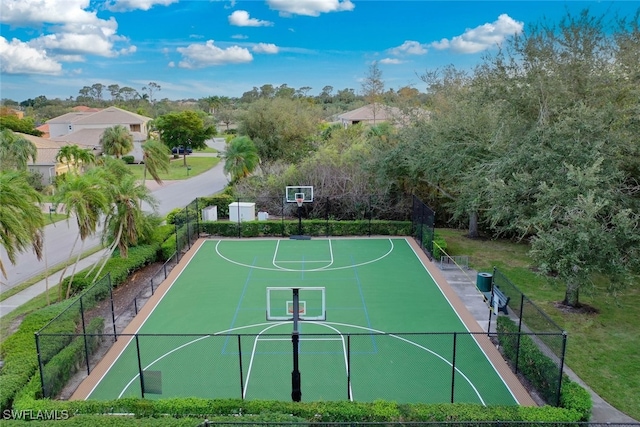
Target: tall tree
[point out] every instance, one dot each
(186, 129)
(241, 158)
(21, 220)
(373, 88)
(15, 151)
(116, 141)
(281, 129)
(85, 199)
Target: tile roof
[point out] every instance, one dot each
(111, 116)
(365, 113)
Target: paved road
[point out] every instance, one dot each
(59, 238)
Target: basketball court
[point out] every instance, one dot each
(359, 319)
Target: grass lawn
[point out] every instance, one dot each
(603, 348)
(177, 170)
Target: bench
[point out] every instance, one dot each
(500, 298)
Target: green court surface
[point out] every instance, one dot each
(388, 332)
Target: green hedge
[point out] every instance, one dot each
(19, 350)
(309, 227)
(538, 368)
(314, 412)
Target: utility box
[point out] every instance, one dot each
(242, 211)
(210, 213)
(263, 216)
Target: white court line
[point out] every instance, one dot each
(473, 336)
(255, 267)
(329, 263)
(325, 324)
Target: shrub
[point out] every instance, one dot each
(540, 370)
(245, 411)
(128, 159)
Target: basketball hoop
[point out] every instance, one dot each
(299, 201)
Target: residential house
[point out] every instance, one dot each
(377, 113)
(86, 127)
(46, 163)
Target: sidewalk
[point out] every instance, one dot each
(26, 295)
(463, 283)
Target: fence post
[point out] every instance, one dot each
(519, 331)
(240, 363)
(197, 233)
(239, 227)
(84, 336)
(370, 214)
(40, 365)
(140, 372)
(564, 348)
(177, 243)
(186, 215)
(113, 314)
(326, 216)
(453, 367)
(349, 367)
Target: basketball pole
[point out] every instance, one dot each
(299, 202)
(296, 392)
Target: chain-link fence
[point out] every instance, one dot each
(70, 342)
(549, 338)
(248, 216)
(64, 345)
(423, 220)
(402, 367)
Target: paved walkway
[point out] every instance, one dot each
(463, 282)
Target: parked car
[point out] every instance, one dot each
(181, 150)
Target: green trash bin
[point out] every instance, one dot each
(483, 282)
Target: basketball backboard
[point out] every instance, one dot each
(311, 304)
(291, 193)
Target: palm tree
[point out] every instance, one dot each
(74, 155)
(21, 220)
(155, 156)
(241, 158)
(84, 198)
(15, 151)
(116, 141)
(126, 222)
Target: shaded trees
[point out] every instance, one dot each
(282, 129)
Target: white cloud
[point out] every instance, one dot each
(125, 5)
(172, 64)
(265, 48)
(18, 57)
(208, 54)
(482, 37)
(409, 47)
(393, 61)
(75, 29)
(35, 12)
(240, 18)
(310, 7)
(75, 44)
(239, 36)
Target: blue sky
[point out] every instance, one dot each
(199, 48)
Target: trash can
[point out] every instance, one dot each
(483, 282)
